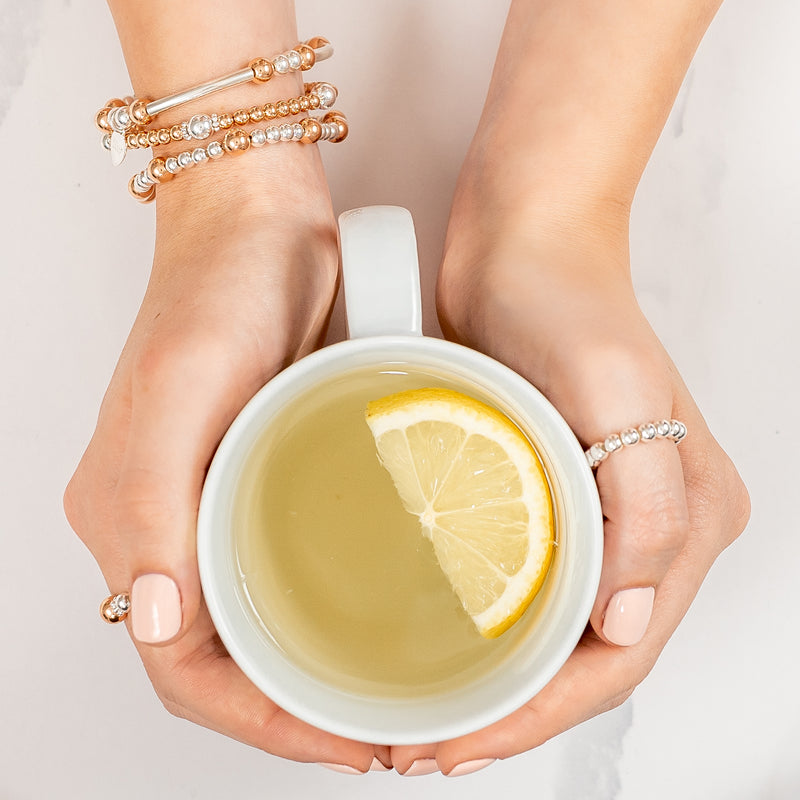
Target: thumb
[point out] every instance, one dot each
(182, 400)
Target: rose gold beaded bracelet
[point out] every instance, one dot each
(332, 127)
(317, 95)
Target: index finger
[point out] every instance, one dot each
(643, 496)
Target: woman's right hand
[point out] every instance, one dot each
(244, 274)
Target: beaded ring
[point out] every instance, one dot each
(673, 430)
(115, 607)
(332, 127)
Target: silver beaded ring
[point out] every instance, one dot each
(672, 429)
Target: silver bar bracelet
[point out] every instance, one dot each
(226, 82)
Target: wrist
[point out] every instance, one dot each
(269, 182)
(580, 92)
(262, 221)
(523, 221)
(168, 47)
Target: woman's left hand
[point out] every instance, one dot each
(566, 318)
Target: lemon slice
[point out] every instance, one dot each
(480, 493)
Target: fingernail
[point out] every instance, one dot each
(378, 766)
(345, 769)
(468, 767)
(422, 766)
(628, 614)
(155, 608)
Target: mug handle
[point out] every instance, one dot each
(380, 271)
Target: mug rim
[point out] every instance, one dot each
(395, 720)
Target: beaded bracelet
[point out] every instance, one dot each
(201, 126)
(332, 127)
(119, 116)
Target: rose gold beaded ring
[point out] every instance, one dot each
(116, 607)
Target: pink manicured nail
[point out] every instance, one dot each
(628, 614)
(155, 608)
(422, 766)
(345, 769)
(378, 766)
(468, 767)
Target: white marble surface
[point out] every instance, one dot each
(716, 246)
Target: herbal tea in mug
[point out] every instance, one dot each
(338, 570)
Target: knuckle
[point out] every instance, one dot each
(169, 698)
(741, 506)
(632, 368)
(173, 707)
(73, 503)
(736, 498)
(83, 501)
(172, 351)
(187, 684)
(166, 678)
(87, 504)
(663, 526)
(618, 699)
(143, 503)
(192, 361)
(637, 666)
(720, 498)
(163, 358)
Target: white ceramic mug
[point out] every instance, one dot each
(382, 295)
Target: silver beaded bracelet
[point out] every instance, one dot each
(672, 429)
